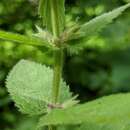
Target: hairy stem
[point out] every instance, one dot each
(58, 62)
(58, 56)
(51, 128)
(54, 20)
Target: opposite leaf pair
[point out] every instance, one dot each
(75, 37)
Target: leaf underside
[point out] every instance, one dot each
(111, 110)
(30, 84)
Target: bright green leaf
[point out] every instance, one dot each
(119, 126)
(98, 23)
(30, 85)
(92, 27)
(107, 110)
(27, 40)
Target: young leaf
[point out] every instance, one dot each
(43, 34)
(27, 40)
(107, 110)
(29, 85)
(94, 26)
(50, 10)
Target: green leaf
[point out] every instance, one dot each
(50, 9)
(120, 126)
(107, 110)
(98, 23)
(27, 40)
(92, 27)
(25, 123)
(30, 85)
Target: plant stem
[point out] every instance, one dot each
(51, 128)
(58, 55)
(57, 72)
(54, 20)
(58, 63)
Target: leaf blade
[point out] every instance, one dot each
(92, 27)
(29, 85)
(121, 126)
(98, 23)
(109, 110)
(22, 39)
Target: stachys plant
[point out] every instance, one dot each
(38, 90)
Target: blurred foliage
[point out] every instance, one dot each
(102, 68)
